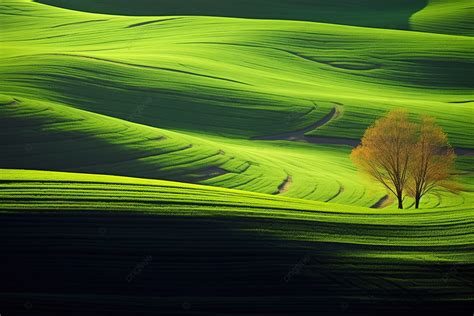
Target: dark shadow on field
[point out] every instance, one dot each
(93, 264)
(373, 13)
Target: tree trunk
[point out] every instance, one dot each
(417, 201)
(400, 201)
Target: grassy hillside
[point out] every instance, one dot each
(313, 256)
(49, 136)
(38, 135)
(177, 157)
(389, 14)
(434, 16)
(200, 79)
(445, 16)
(232, 76)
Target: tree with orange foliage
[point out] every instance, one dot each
(431, 161)
(385, 152)
(406, 157)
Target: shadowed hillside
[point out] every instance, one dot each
(208, 250)
(383, 14)
(235, 77)
(192, 157)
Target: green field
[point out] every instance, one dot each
(236, 120)
(352, 256)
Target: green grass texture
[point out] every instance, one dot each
(312, 255)
(49, 136)
(235, 77)
(183, 98)
(208, 144)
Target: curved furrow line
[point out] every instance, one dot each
(116, 62)
(299, 135)
(341, 190)
(151, 22)
(285, 185)
(80, 22)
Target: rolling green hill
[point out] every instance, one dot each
(445, 16)
(235, 77)
(34, 190)
(387, 14)
(434, 16)
(290, 255)
(49, 136)
(201, 80)
(192, 157)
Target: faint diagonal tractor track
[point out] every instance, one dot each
(122, 63)
(285, 185)
(383, 202)
(299, 135)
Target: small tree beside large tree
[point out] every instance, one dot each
(384, 153)
(405, 157)
(431, 161)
